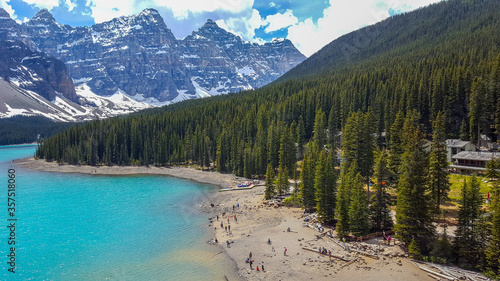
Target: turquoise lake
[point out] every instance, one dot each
(83, 227)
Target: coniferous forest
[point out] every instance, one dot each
(377, 95)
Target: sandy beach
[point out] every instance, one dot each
(256, 223)
(253, 223)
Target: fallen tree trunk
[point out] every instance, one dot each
(333, 256)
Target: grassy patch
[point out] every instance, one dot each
(457, 181)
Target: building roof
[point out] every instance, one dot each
(456, 143)
(477, 155)
(470, 168)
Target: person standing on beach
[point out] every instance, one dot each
(250, 255)
(251, 264)
(262, 266)
(284, 253)
(229, 228)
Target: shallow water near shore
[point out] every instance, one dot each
(87, 227)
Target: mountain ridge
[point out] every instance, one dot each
(139, 55)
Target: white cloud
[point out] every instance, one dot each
(107, 10)
(43, 4)
(4, 4)
(279, 21)
(244, 25)
(71, 5)
(182, 8)
(344, 16)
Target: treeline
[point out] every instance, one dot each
(28, 129)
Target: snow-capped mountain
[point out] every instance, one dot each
(33, 83)
(140, 57)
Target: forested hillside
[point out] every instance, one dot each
(28, 129)
(444, 58)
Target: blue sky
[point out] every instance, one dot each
(309, 24)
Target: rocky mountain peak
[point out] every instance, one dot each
(212, 31)
(140, 56)
(43, 15)
(4, 14)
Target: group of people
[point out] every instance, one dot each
(324, 251)
(250, 261)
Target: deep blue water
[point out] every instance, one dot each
(87, 227)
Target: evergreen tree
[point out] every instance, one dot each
(414, 250)
(320, 127)
(493, 249)
(439, 184)
(300, 137)
(412, 213)
(287, 152)
(358, 143)
(359, 217)
(347, 179)
(281, 183)
(467, 244)
(396, 146)
(325, 184)
(307, 184)
(477, 110)
(270, 187)
(379, 208)
(442, 251)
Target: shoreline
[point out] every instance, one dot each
(254, 222)
(208, 177)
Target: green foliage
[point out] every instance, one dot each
(325, 184)
(359, 217)
(347, 180)
(293, 201)
(412, 213)
(467, 241)
(414, 249)
(28, 129)
(358, 143)
(307, 184)
(270, 187)
(379, 209)
(439, 184)
(281, 183)
(442, 250)
(493, 250)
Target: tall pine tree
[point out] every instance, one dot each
(379, 208)
(270, 178)
(412, 213)
(439, 184)
(325, 183)
(359, 217)
(307, 184)
(467, 245)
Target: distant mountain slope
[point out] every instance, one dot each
(412, 35)
(140, 56)
(35, 84)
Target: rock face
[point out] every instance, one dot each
(35, 71)
(140, 56)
